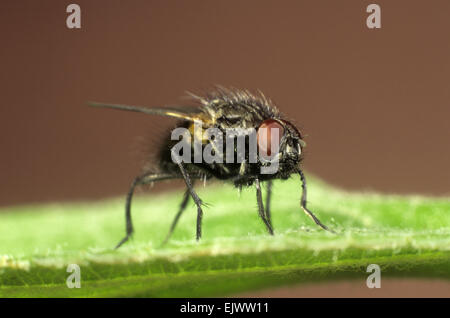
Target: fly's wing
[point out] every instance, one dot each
(185, 113)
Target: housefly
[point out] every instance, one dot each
(271, 148)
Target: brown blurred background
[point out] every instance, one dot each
(374, 103)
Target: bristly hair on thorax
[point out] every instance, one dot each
(233, 95)
(221, 96)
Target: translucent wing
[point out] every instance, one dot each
(188, 113)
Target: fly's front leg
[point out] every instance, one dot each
(261, 207)
(268, 197)
(305, 209)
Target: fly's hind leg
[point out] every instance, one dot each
(146, 178)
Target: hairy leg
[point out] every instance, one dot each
(139, 180)
(268, 197)
(197, 200)
(178, 215)
(303, 204)
(261, 207)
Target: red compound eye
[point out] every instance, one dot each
(265, 131)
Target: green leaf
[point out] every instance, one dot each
(406, 236)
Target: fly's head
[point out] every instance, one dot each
(280, 142)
